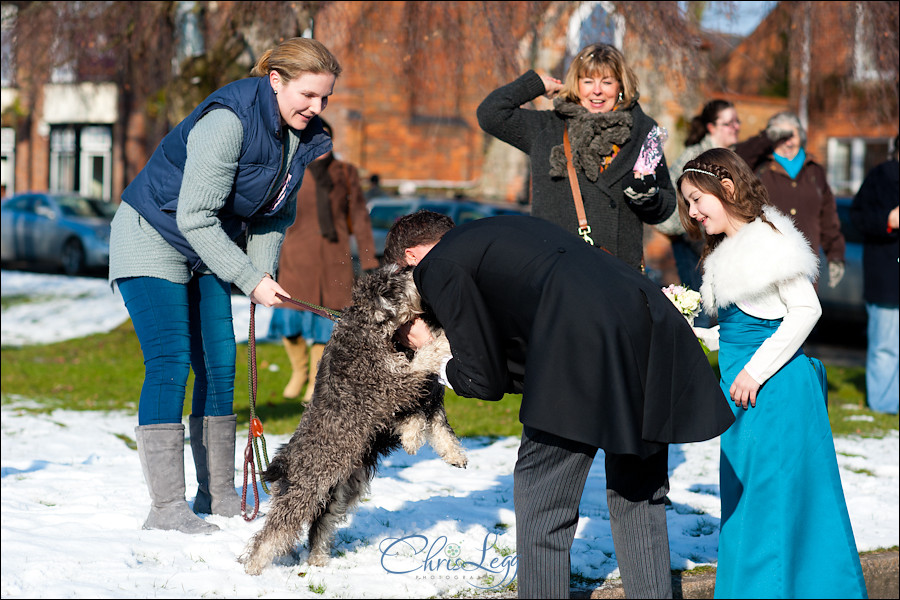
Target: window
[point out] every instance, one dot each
(7, 46)
(865, 65)
(96, 162)
(850, 159)
(81, 160)
(62, 159)
(7, 161)
(188, 34)
(593, 22)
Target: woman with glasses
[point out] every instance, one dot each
(717, 126)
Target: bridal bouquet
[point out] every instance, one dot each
(686, 300)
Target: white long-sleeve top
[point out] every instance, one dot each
(767, 274)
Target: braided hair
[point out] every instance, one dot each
(706, 172)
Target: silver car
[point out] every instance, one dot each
(64, 230)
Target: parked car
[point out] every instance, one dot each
(64, 230)
(844, 302)
(385, 211)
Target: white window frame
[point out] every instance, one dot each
(62, 159)
(847, 162)
(8, 159)
(95, 142)
(73, 150)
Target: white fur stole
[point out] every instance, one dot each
(751, 263)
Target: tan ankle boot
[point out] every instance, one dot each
(298, 355)
(315, 354)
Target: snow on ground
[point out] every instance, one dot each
(74, 499)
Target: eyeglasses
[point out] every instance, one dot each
(731, 123)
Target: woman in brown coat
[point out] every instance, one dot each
(316, 264)
(798, 187)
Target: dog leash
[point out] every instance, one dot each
(256, 429)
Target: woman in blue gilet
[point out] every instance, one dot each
(223, 178)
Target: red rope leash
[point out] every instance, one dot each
(256, 428)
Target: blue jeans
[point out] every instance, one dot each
(182, 326)
(883, 358)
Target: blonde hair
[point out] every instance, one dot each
(296, 56)
(600, 60)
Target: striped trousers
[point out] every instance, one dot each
(549, 480)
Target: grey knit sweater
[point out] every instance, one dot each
(616, 223)
(213, 147)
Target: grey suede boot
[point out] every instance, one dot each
(161, 449)
(212, 443)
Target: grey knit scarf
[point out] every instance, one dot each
(592, 136)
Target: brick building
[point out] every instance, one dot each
(405, 106)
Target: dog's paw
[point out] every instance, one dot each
(444, 441)
(411, 431)
(430, 357)
(251, 567)
(317, 560)
(456, 459)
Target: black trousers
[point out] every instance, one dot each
(549, 480)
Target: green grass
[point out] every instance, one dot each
(105, 372)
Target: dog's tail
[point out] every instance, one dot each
(276, 470)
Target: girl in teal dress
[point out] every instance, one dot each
(785, 531)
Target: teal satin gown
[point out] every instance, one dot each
(785, 530)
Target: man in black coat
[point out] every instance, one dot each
(875, 214)
(602, 359)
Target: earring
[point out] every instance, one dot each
(620, 96)
(276, 92)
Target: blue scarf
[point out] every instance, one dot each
(792, 166)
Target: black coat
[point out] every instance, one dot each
(875, 199)
(599, 353)
(617, 224)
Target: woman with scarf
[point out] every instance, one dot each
(798, 187)
(316, 265)
(597, 105)
(597, 109)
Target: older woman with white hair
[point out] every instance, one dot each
(797, 185)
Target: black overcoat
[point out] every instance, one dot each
(599, 353)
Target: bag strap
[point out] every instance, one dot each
(583, 228)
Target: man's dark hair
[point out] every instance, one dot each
(417, 229)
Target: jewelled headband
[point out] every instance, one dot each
(701, 171)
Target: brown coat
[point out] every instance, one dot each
(808, 200)
(313, 269)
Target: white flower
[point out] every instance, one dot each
(686, 300)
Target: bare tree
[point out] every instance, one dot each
(138, 45)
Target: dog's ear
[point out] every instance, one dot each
(379, 291)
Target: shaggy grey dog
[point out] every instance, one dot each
(370, 398)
